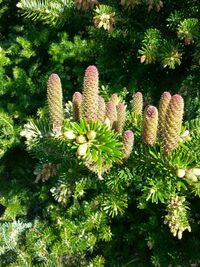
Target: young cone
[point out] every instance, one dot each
(101, 110)
(89, 105)
(163, 106)
(121, 116)
(137, 104)
(173, 124)
(115, 99)
(127, 140)
(54, 97)
(111, 113)
(150, 125)
(76, 101)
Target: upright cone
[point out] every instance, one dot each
(163, 106)
(101, 110)
(115, 99)
(89, 106)
(137, 104)
(76, 102)
(121, 116)
(128, 140)
(55, 98)
(111, 113)
(173, 124)
(150, 125)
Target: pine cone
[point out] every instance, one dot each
(54, 97)
(128, 140)
(90, 99)
(121, 116)
(115, 99)
(137, 104)
(163, 106)
(111, 113)
(173, 123)
(101, 110)
(150, 125)
(76, 102)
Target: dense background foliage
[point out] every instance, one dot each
(150, 46)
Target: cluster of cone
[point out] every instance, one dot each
(164, 123)
(91, 106)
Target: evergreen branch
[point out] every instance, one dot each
(53, 13)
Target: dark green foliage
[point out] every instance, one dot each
(54, 211)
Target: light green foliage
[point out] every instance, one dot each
(65, 49)
(151, 43)
(104, 148)
(13, 207)
(188, 30)
(155, 48)
(7, 133)
(170, 55)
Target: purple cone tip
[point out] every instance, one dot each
(177, 98)
(166, 94)
(138, 94)
(128, 134)
(121, 105)
(77, 95)
(54, 77)
(110, 104)
(151, 111)
(91, 69)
